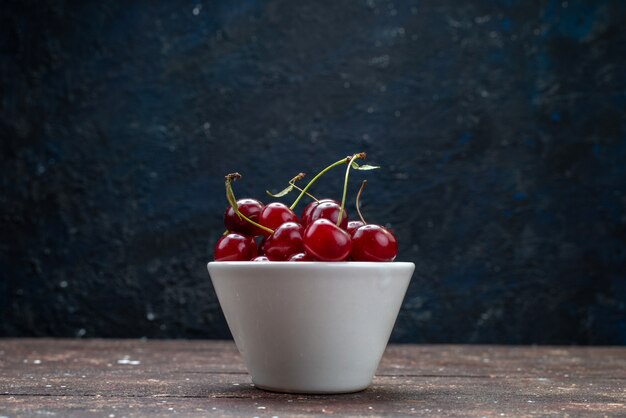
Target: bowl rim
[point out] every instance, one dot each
(312, 264)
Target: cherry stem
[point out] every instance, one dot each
(306, 193)
(300, 176)
(358, 196)
(303, 191)
(360, 155)
(230, 196)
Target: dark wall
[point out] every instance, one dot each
(500, 126)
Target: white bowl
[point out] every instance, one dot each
(311, 327)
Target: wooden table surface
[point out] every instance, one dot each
(132, 378)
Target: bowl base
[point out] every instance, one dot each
(309, 392)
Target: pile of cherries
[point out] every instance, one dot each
(273, 232)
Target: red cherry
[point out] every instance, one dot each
(325, 241)
(300, 257)
(261, 258)
(248, 207)
(274, 215)
(353, 226)
(373, 243)
(284, 242)
(305, 219)
(234, 247)
(330, 211)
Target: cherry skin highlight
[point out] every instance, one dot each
(300, 257)
(325, 241)
(235, 247)
(274, 215)
(305, 219)
(248, 207)
(330, 211)
(284, 242)
(373, 243)
(261, 258)
(353, 226)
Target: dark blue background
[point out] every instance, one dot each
(500, 126)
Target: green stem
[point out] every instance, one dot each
(358, 196)
(335, 164)
(345, 184)
(230, 196)
(306, 193)
(300, 176)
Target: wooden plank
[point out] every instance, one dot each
(406, 396)
(222, 356)
(139, 378)
(507, 361)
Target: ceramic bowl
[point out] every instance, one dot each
(311, 327)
